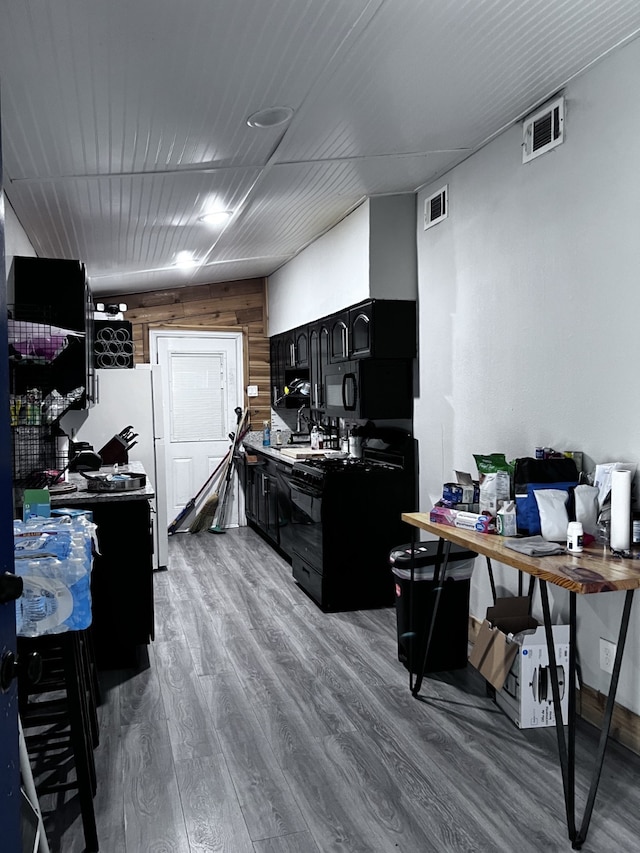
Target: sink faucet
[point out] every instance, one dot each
(299, 418)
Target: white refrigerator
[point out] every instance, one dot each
(131, 398)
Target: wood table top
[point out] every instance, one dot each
(594, 570)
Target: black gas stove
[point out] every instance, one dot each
(345, 517)
(317, 470)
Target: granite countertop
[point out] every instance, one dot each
(253, 441)
(82, 495)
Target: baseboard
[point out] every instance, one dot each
(625, 725)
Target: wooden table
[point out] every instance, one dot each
(595, 570)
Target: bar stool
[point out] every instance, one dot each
(59, 718)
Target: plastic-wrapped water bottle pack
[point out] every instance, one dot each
(54, 557)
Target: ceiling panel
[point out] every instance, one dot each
(446, 75)
(293, 204)
(116, 86)
(123, 121)
(134, 222)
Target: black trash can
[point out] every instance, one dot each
(414, 607)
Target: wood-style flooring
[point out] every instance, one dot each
(262, 725)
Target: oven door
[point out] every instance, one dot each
(306, 521)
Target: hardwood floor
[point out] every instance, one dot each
(262, 725)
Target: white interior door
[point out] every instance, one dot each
(202, 379)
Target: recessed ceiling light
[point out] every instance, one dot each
(215, 217)
(270, 117)
(185, 259)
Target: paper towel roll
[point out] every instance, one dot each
(620, 535)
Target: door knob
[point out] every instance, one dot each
(30, 665)
(8, 670)
(10, 587)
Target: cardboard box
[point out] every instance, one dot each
(526, 696)
(36, 503)
(494, 650)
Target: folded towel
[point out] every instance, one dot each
(534, 546)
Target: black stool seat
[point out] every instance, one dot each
(59, 719)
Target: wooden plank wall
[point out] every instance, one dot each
(229, 306)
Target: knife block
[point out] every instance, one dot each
(115, 452)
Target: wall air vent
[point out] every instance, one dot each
(543, 130)
(436, 207)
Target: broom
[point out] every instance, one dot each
(191, 504)
(217, 525)
(206, 514)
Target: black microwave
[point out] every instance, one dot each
(369, 389)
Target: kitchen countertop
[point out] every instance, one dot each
(82, 495)
(253, 442)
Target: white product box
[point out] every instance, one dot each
(527, 696)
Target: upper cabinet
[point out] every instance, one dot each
(339, 337)
(296, 348)
(378, 328)
(54, 294)
(319, 358)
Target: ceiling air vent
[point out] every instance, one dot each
(543, 130)
(436, 207)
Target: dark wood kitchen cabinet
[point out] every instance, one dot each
(55, 292)
(50, 359)
(319, 337)
(377, 328)
(382, 328)
(296, 348)
(277, 367)
(339, 337)
(261, 496)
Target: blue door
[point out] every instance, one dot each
(9, 761)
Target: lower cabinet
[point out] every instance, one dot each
(122, 581)
(261, 497)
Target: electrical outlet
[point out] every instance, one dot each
(607, 655)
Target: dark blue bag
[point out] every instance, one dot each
(531, 474)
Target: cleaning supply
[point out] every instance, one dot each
(266, 434)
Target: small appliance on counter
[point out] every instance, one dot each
(82, 457)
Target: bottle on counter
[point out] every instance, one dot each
(266, 434)
(575, 535)
(278, 438)
(315, 437)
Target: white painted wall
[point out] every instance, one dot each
(528, 316)
(371, 253)
(16, 242)
(328, 275)
(393, 265)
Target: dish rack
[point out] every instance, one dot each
(39, 353)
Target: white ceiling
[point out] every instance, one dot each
(124, 120)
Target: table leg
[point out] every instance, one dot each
(567, 766)
(566, 749)
(442, 559)
(491, 579)
(606, 723)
